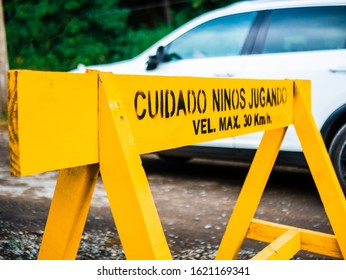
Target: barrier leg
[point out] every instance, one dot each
(320, 166)
(68, 212)
(311, 241)
(251, 194)
(126, 184)
(283, 248)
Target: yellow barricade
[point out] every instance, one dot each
(83, 124)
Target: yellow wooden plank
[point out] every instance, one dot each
(282, 248)
(68, 213)
(169, 112)
(250, 194)
(131, 202)
(54, 115)
(312, 241)
(320, 165)
(53, 120)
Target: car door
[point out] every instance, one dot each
(301, 43)
(216, 48)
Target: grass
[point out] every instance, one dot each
(3, 119)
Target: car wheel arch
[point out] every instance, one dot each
(332, 125)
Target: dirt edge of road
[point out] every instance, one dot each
(176, 190)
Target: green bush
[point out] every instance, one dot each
(139, 40)
(59, 35)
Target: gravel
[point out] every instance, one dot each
(194, 205)
(97, 245)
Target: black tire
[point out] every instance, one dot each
(337, 152)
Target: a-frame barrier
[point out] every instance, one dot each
(83, 124)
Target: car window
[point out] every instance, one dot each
(223, 36)
(306, 29)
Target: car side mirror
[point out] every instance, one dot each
(161, 56)
(155, 60)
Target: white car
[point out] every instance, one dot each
(261, 39)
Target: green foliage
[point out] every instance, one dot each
(210, 4)
(140, 39)
(57, 35)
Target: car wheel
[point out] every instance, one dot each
(337, 152)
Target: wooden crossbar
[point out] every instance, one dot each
(282, 248)
(311, 241)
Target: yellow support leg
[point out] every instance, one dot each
(283, 248)
(320, 165)
(126, 184)
(68, 213)
(250, 194)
